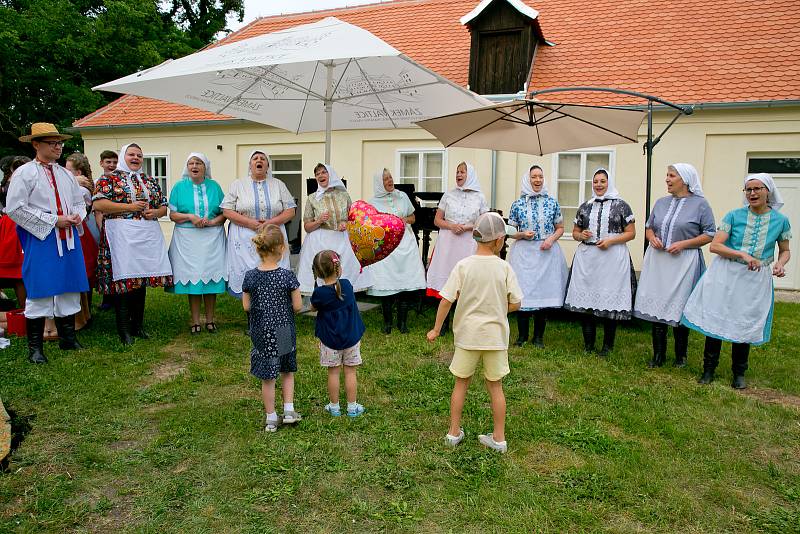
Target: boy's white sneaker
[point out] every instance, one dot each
(488, 441)
(453, 441)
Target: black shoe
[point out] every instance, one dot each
(706, 378)
(738, 382)
(35, 329)
(520, 342)
(538, 343)
(123, 318)
(66, 333)
(402, 315)
(589, 330)
(386, 309)
(539, 325)
(680, 362)
(387, 328)
(141, 334)
(605, 351)
(403, 327)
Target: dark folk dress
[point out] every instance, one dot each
(272, 327)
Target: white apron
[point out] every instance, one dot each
(242, 255)
(198, 255)
(600, 279)
(732, 303)
(401, 270)
(542, 274)
(665, 284)
(450, 248)
(137, 249)
(324, 239)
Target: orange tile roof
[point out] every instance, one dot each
(686, 51)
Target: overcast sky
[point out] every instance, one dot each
(261, 8)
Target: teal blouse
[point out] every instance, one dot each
(201, 199)
(755, 234)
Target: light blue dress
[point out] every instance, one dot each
(197, 255)
(731, 302)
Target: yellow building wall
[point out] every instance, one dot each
(717, 142)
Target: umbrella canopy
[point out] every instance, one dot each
(321, 76)
(534, 127)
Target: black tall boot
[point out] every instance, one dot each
(35, 329)
(739, 356)
(710, 359)
(523, 327)
(589, 328)
(123, 313)
(386, 308)
(66, 333)
(609, 334)
(539, 324)
(659, 345)
(402, 313)
(681, 336)
(137, 312)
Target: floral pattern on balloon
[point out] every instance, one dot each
(373, 234)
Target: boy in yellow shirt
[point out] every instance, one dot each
(486, 289)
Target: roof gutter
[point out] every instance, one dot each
(221, 122)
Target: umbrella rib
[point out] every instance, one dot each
(305, 103)
(339, 81)
(291, 85)
(394, 125)
(503, 116)
(532, 118)
(590, 123)
(239, 96)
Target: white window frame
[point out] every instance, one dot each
(167, 185)
(567, 235)
(286, 157)
(421, 152)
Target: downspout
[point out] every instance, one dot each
(493, 203)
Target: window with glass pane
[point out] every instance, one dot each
(574, 172)
(424, 169)
(292, 165)
(156, 166)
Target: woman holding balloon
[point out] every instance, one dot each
(325, 223)
(401, 274)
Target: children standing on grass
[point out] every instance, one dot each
(339, 329)
(271, 295)
(486, 289)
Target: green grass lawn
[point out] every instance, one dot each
(167, 436)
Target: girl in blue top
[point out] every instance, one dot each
(733, 301)
(339, 329)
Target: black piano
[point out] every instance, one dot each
(423, 216)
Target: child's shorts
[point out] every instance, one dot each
(267, 368)
(329, 357)
(495, 363)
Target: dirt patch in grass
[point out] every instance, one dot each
(548, 458)
(160, 407)
(181, 353)
(773, 396)
(445, 356)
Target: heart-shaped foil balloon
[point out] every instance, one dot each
(373, 235)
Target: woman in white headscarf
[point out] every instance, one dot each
(197, 250)
(733, 301)
(325, 223)
(132, 254)
(400, 275)
(535, 256)
(602, 281)
(455, 217)
(251, 203)
(679, 225)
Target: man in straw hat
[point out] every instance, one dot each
(46, 203)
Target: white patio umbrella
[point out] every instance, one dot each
(534, 127)
(321, 76)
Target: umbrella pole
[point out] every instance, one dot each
(328, 110)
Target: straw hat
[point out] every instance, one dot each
(43, 129)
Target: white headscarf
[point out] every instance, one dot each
(611, 192)
(249, 172)
(334, 182)
(690, 177)
(202, 157)
(130, 175)
(774, 198)
(377, 182)
(471, 183)
(527, 188)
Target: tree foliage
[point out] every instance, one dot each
(52, 52)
